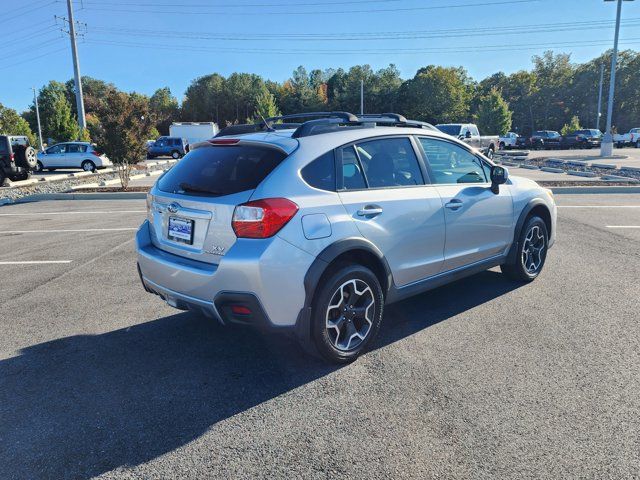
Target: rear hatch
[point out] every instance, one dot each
(192, 206)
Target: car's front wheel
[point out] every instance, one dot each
(175, 155)
(347, 313)
(533, 243)
(39, 166)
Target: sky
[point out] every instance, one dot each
(142, 45)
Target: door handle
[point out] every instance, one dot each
(454, 204)
(369, 211)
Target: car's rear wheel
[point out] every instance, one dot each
(490, 153)
(533, 243)
(347, 313)
(88, 166)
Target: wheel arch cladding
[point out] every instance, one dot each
(347, 251)
(535, 207)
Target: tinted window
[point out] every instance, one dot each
(389, 162)
(75, 148)
(221, 170)
(177, 141)
(453, 130)
(57, 149)
(451, 163)
(352, 177)
(321, 173)
(4, 145)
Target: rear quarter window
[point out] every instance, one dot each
(321, 172)
(4, 145)
(221, 170)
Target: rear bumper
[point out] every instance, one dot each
(265, 276)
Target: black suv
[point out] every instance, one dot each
(17, 158)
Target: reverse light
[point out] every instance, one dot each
(262, 218)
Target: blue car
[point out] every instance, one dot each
(168, 146)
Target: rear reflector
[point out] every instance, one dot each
(224, 141)
(262, 218)
(240, 310)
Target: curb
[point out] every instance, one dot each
(593, 190)
(530, 167)
(76, 196)
(579, 173)
(552, 170)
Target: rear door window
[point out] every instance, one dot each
(389, 162)
(221, 170)
(4, 146)
(352, 176)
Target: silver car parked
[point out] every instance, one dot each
(82, 155)
(313, 229)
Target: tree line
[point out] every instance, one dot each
(547, 96)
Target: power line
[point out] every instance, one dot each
(15, 40)
(50, 2)
(31, 47)
(13, 64)
(368, 36)
(321, 12)
(240, 5)
(447, 50)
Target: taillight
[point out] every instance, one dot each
(11, 157)
(224, 141)
(97, 154)
(262, 218)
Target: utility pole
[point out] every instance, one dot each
(361, 97)
(76, 68)
(600, 96)
(606, 150)
(35, 100)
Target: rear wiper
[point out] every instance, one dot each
(187, 187)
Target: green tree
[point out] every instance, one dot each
(494, 116)
(57, 119)
(437, 95)
(124, 131)
(265, 106)
(164, 109)
(572, 126)
(13, 124)
(299, 94)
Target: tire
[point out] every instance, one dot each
(88, 166)
(490, 153)
(528, 262)
(502, 146)
(175, 154)
(26, 157)
(3, 177)
(638, 144)
(39, 167)
(341, 333)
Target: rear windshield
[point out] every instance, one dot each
(4, 146)
(453, 130)
(221, 170)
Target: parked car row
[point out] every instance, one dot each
(469, 134)
(550, 139)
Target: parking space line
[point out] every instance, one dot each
(598, 206)
(75, 230)
(623, 226)
(37, 262)
(28, 214)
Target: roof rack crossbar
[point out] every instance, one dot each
(346, 116)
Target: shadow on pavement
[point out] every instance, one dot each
(83, 405)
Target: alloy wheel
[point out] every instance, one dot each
(533, 249)
(349, 316)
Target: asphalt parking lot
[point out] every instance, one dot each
(484, 378)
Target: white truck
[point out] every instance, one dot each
(632, 138)
(508, 141)
(193, 132)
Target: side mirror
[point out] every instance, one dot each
(499, 175)
(468, 134)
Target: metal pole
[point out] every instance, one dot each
(361, 97)
(35, 99)
(76, 69)
(607, 142)
(600, 96)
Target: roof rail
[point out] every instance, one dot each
(346, 116)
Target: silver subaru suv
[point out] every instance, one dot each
(313, 228)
